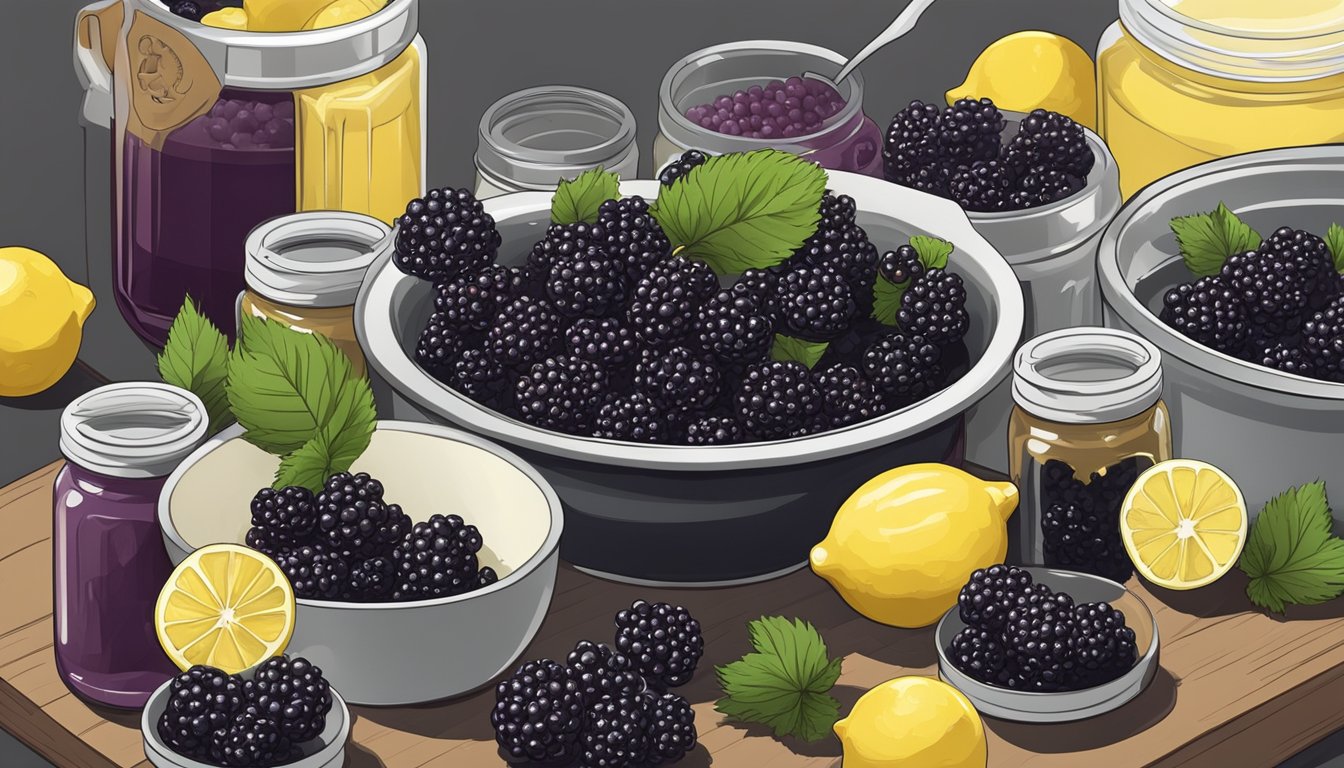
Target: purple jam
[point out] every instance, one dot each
(186, 210)
(784, 109)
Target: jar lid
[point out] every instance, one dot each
(314, 258)
(1087, 376)
(133, 429)
(535, 137)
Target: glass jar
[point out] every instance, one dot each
(216, 130)
(120, 442)
(532, 139)
(847, 141)
(1181, 82)
(305, 270)
(1089, 419)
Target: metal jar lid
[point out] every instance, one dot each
(1087, 376)
(314, 258)
(133, 429)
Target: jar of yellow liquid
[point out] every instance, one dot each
(1181, 82)
(305, 270)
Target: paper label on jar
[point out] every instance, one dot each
(169, 80)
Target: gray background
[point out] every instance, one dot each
(478, 51)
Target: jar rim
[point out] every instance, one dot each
(342, 246)
(504, 157)
(134, 429)
(1124, 375)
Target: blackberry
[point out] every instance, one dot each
(251, 741)
(1272, 293)
(372, 580)
(934, 307)
(911, 142)
(984, 186)
(470, 302)
(714, 430)
(758, 285)
(841, 244)
(438, 346)
(603, 672)
(969, 131)
(604, 340)
(437, 558)
(663, 641)
(775, 398)
(990, 593)
(678, 378)
(664, 302)
(1209, 312)
(289, 514)
(539, 714)
(1288, 358)
(476, 375)
(813, 303)
(560, 242)
(632, 236)
(1323, 341)
(314, 572)
(292, 694)
(1308, 257)
(671, 727)
(1051, 140)
(979, 653)
(681, 167)
(526, 331)
(266, 542)
(485, 577)
(353, 517)
(561, 394)
(631, 417)
(586, 284)
(1038, 639)
(902, 367)
(1043, 185)
(732, 328)
(1079, 539)
(1103, 647)
(187, 10)
(847, 397)
(616, 734)
(201, 701)
(901, 265)
(932, 179)
(445, 234)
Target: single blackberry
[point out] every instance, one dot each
(758, 285)
(560, 241)
(562, 394)
(1078, 539)
(841, 244)
(1323, 341)
(604, 673)
(979, 653)
(663, 641)
(539, 714)
(681, 167)
(201, 701)
(632, 236)
(437, 558)
(438, 346)
(934, 307)
(714, 430)
(525, 332)
(776, 398)
(902, 367)
(677, 378)
(984, 186)
(251, 741)
(911, 142)
(372, 580)
(292, 694)
(289, 514)
(1308, 257)
(470, 302)
(632, 417)
(314, 572)
(265, 542)
(586, 284)
(353, 517)
(990, 593)
(1038, 639)
(485, 577)
(445, 234)
(616, 734)
(1103, 647)
(1209, 312)
(732, 328)
(1288, 358)
(664, 302)
(1043, 185)
(1051, 140)
(186, 9)
(476, 375)
(847, 397)
(901, 265)
(671, 727)
(813, 303)
(969, 131)
(1271, 292)
(605, 340)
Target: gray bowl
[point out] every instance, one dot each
(326, 751)
(1267, 429)
(1068, 706)
(666, 514)
(411, 652)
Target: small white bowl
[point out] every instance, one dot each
(1065, 706)
(391, 654)
(326, 751)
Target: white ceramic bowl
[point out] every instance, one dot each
(399, 653)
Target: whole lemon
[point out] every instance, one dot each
(1034, 70)
(42, 316)
(913, 722)
(900, 548)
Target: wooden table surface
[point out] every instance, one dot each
(1236, 688)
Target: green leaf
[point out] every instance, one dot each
(1207, 239)
(932, 251)
(1334, 238)
(743, 211)
(578, 199)
(887, 300)
(1291, 555)
(307, 467)
(196, 358)
(790, 349)
(785, 683)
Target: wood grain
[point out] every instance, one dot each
(1236, 687)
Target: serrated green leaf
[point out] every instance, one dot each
(578, 200)
(196, 358)
(1207, 239)
(933, 252)
(308, 467)
(789, 349)
(1290, 554)
(887, 300)
(743, 211)
(785, 683)
(1334, 238)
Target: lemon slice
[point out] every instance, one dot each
(226, 606)
(1183, 524)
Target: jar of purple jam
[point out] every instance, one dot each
(751, 95)
(120, 442)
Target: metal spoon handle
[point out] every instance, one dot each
(903, 24)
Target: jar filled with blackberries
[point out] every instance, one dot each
(1089, 419)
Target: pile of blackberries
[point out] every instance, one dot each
(1080, 521)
